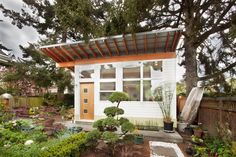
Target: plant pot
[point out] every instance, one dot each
(181, 126)
(138, 139)
(168, 126)
(198, 133)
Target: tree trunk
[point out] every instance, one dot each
(191, 66)
(190, 50)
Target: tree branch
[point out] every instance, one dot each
(217, 73)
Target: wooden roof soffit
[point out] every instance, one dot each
(145, 43)
(134, 43)
(83, 50)
(92, 50)
(67, 58)
(125, 44)
(53, 56)
(75, 52)
(98, 48)
(162, 55)
(116, 46)
(167, 41)
(107, 46)
(57, 54)
(174, 41)
(155, 43)
(67, 52)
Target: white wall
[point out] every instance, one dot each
(142, 109)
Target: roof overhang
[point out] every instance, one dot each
(139, 46)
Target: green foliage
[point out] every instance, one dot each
(122, 120)
(110, 124)
(70, 147)
(118, 97)
(127, 127)
(113, 111)
(110, 137)
(99, 124)
(92, 138)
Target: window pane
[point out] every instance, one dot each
(150, 89)
(133, 72)
(133, 89)
(107, 86)
(105, 95)
(87, 74)
(107, 71)
(152, 69)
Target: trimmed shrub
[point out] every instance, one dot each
(69, 147)
(110, 137)
(118, 97)
(123, 120)
(127, 127)
(110, 124)
(113, 111)
(98, 125)
(92, 138)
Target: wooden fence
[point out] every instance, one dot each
(30, 101)
(213, 111)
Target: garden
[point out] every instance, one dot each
(39, 136)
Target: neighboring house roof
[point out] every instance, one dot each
(119, 48)
(4, 59)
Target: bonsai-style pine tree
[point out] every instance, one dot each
(112, 122)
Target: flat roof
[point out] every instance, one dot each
(137, 44)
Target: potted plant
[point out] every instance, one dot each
(181, 125)
(164, 99)
(138, 138)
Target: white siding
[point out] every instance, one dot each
(143, 109)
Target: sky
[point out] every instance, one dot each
(11, 36)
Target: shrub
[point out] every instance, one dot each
(110, 137)
(110, 124)
(113, 111)
(127, 127)
(69, 147)
(98, 125)
(118, 97)
(92, 138)
(123, 120)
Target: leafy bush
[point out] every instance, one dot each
(110, 124)
(127, 127)
(123, 120)
(92, 138)
(69, 147)
(118, 97)
(113, 111)
(98, 124)
(110, 137)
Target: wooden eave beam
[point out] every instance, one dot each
(56, 54)
(75, 52)
(167, 41)
(155, 43)
(51, 55)
(107, 46)
(174, 41)
(83, 50)
(162, 55)
(145, 43)
(67, 53)
(135, 44)
(125, 44)
(63, 54)
(116, 46)
(98, 48)
(92, 50)
(175, 45)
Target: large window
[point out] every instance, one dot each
(133, 89)
(107, 71)
(152, 69)
(150, 89)
(87, 74)
(131, 72)
(107, 81)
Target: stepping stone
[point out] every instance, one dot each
(164, 149)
